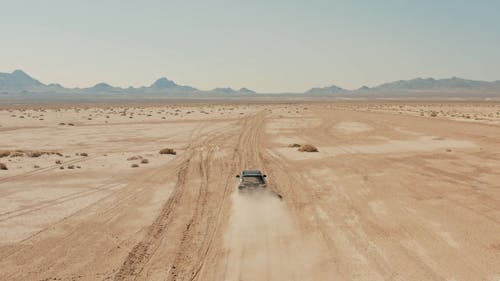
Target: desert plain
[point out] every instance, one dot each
(397, 191)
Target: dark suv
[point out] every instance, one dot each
(251, 180)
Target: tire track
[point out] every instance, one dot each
(141, 254)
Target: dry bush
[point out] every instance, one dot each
(168, 151)
(137, 157)
(58, 162)
(84, 154)
(35, 153)
(16, 154)
(4, 153)
(144, 161)
(36, 166)
(308, 148)
(3, 166)
(134, 166)
(294, 145)
(71, 167)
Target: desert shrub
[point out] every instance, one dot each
(35, 154)
(16, 154)
(3, 166)
(294, 145)
(84, 154)
(434, 114)
(4, 153)
(308, 148)
(137, 157)
(168, 151)
(134, 166)
(71, 166)
(144, 161)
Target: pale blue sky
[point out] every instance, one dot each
(268, 46)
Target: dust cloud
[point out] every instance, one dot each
(265, 244)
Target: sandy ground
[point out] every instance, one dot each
(394, 193)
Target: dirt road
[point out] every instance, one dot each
(387, 197)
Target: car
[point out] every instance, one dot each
(251, 180)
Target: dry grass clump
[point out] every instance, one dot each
(29, 153)
(308, 148)
(4, 153)
(17, 154)
(3, 166)
(137, 157)
(134, 166)
(58, 162)
(35, 153)
(294, 145)
(168, 151)
(144, 161)
(84, 154)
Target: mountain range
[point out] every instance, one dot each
(18, 82)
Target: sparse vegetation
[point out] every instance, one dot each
(144, 161)
(134, 165)
(137, 157)
(35, 154)
(168, 151)
(58, 162)
(3, 166)
(294, 145)
(84, 154)
(308, 148)
(19, 153)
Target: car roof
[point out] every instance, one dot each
(251, 173)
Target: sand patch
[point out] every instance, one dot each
(421, 144)
(352, 127)
(264, 243)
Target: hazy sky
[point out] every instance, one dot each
(268, 46)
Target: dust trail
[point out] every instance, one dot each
(264, 244)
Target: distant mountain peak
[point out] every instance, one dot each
(246, 91)
(102, 85)
(19, 72)
(224, 90)
(163, 83)
(325, 90)
(18, 81)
